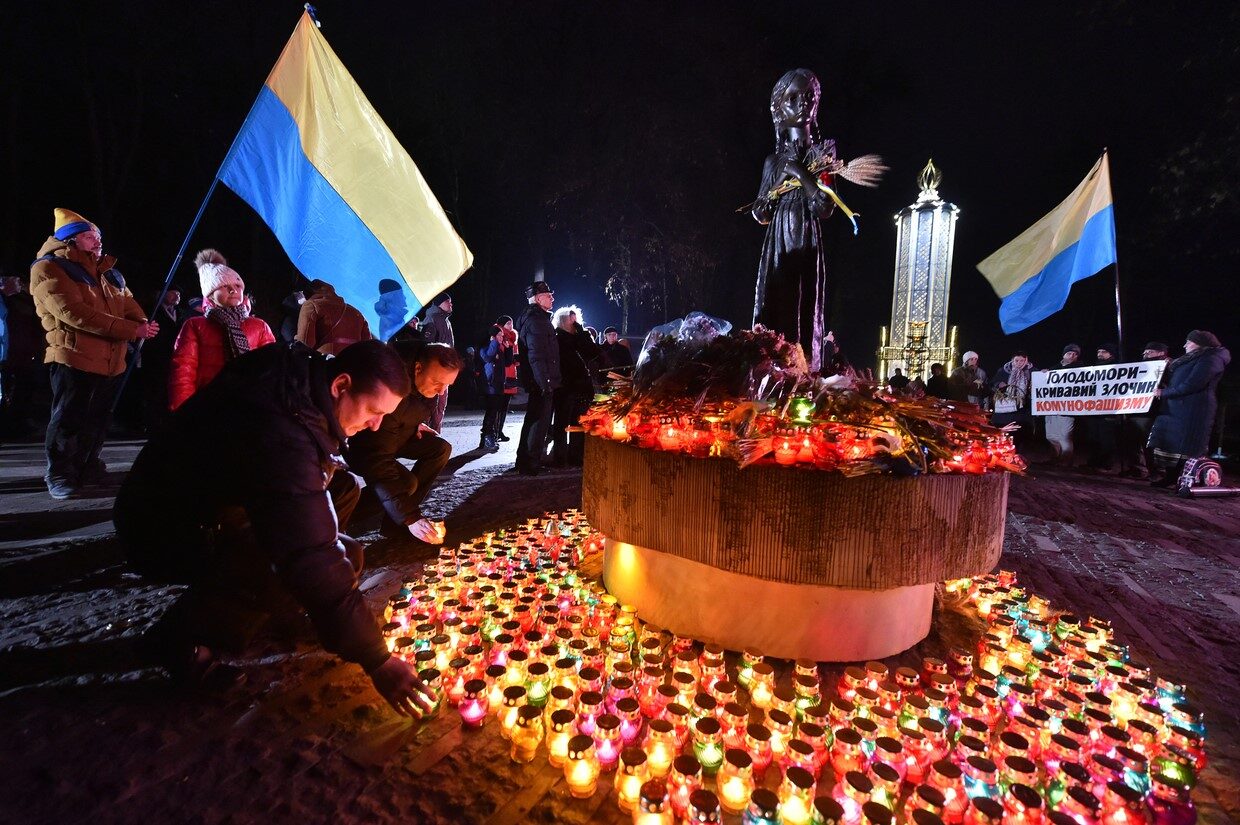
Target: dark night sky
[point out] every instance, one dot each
(544, 126)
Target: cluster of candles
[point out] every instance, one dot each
(1046, 721)
(796, 439)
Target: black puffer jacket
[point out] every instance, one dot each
(539, 350)
(262, 436)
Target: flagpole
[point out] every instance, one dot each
(1119, 316)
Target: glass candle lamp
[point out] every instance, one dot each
(581, 768)
(607, 743)
(807, 692)
(631, 774)
(763, 808)
(589, 708)
(653, 805)
(887, 784)
(561, 726)
(703, 808)
(474, 705)
(890, 751)
(537, 683)
(779, 723)
(984, 811)
(851, 792)
(819, 740)
(798, 753)
(796, 797)
(744, 670)
(758, 746)
(762, 685)
(681, 720)
(947, 778)
(1169, 802)
(924, 798)
(735, 781)
(981, 777)
(660, 747)
(708, 744)
(527, 735)
(876, 813)
(733, 717)
(630, 715)
(847, 753)
(685, 778)
(1123, 805)
(510, 709)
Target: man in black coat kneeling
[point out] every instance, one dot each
(231, 499)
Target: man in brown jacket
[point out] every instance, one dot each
(327, 323)
(88, 317)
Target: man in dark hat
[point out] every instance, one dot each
(616, 354)
(1137, 427)
(1059, 427)
(539, 371)
(437, 329)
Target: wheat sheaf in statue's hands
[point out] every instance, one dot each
(867, 170)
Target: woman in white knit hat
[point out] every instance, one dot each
(225, 330)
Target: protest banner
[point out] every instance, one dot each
(1107, 389)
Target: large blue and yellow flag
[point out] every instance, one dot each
(1033, 274)
(344, 198)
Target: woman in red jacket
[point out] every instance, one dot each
(225, 331)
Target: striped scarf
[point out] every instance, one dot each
(234, 338)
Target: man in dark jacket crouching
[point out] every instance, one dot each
(232, 500)
(407, 433)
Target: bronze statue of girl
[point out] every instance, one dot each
(794, 197)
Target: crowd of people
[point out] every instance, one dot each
(1153, 445)
(264, 450)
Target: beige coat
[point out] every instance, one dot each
(88, 314)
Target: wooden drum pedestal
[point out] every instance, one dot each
(796, 563)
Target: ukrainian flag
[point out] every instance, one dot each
(1033, 274)
(346, 201)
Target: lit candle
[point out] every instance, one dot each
(630, 777)
(527, 735)
(786, 451)
(630, 715)
(703, 807)
(510, 709)
(763, 808)
(1023, 805)
(660, 746)
(581, 768)
(762, 685)
(561, 727)
(851, 792)
(653, 807)
(474, 705)
(796, 797)
(708, 744)
(537, 683)
(589, 708)
(780, 725)
(607, 740)
(758, 746)
(684, 778)
(735, 781)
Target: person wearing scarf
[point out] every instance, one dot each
(225, 331)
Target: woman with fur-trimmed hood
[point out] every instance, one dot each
(225, 330)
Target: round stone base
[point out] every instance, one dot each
(788, 621)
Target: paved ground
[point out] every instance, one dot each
(89, 734)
